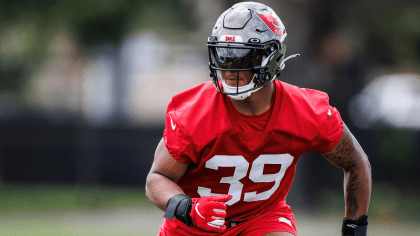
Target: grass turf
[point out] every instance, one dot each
(32, 210)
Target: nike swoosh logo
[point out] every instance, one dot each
(196, 209)
(284, 220)
(172, 123)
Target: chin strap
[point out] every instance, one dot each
(241, 96)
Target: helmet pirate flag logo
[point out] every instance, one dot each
(275, 26)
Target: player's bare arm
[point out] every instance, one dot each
(163, 176)
(163, 191)
(349, 156)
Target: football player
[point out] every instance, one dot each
(229, 150)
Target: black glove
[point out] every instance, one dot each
(179, 206)
(206, 213)
(355, 227)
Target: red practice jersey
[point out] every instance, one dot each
(202, 131)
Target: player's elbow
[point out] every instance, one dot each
(148, 186)
(368, 169)
(153, 183)
(361, 166)
(365, 164)
(363, 172)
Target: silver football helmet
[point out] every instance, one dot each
(247, 37)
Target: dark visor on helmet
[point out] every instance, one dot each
(235, 58)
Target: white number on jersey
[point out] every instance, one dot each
(256, 174)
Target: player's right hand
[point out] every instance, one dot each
(209, 213)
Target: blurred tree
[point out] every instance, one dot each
(30, 28)
(27, 27)
(399, 151)
(393, 37)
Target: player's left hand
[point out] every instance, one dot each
(209, 213)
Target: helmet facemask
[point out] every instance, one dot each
(261, 59)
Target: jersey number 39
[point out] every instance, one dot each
(256, 175)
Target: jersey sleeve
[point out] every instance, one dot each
(176, 138)
(330, 132)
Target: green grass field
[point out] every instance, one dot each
(32, 210)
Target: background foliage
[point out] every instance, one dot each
(53, 159)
